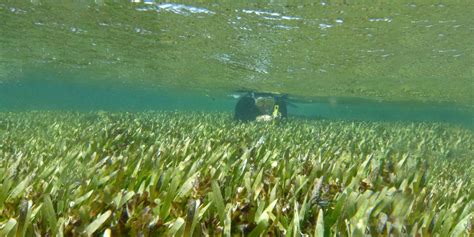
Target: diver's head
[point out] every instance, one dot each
(265, 104)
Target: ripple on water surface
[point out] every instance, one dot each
(311, 49)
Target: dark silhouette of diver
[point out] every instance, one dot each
(260, 107)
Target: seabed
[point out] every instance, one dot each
(195, 174)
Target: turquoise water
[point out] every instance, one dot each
(357, 60)
(34, 92)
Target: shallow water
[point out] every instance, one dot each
(36, 93)
(387, 87)
(407, 60)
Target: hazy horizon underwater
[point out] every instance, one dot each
(236, 118)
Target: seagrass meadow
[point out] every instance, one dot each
(203, 174)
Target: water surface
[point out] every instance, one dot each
(412, 51)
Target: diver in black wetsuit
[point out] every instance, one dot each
(260, 107)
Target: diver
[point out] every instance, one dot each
(262, 107)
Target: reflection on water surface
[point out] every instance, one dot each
(405, 50)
